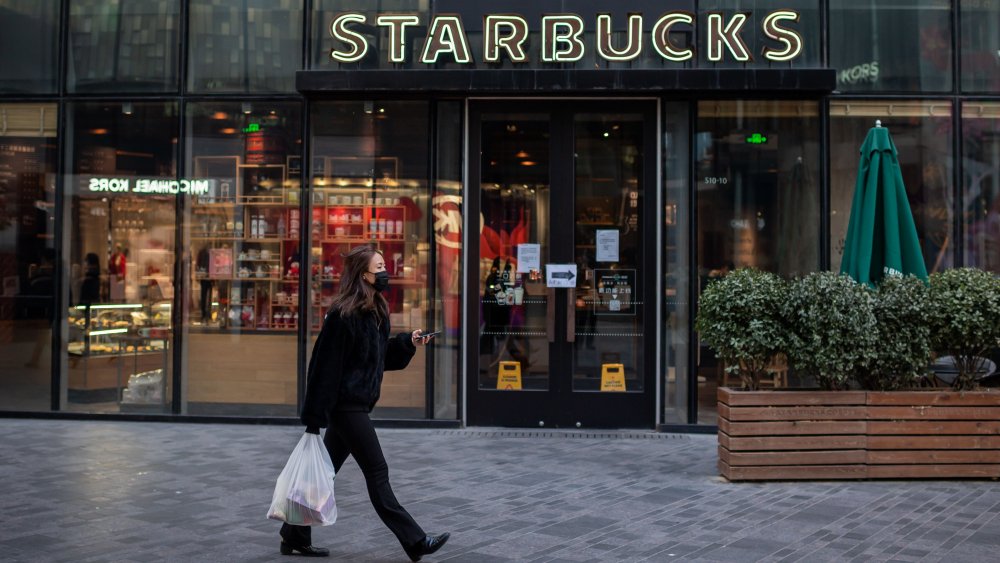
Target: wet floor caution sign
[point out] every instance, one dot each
(509, 377)
(612, 377)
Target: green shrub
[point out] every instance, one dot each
(832, 331)
(965, 319)
(739, 317)
(902, 314)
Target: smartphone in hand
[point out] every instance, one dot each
(424, 334)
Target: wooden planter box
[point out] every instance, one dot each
(806, 434)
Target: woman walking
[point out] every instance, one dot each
(345, 376)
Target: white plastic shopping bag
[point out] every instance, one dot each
(304, 492)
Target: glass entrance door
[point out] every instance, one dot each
(561, 322)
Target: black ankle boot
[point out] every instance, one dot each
(426, 546)
(308, 550)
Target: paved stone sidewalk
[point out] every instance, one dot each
(127, 491)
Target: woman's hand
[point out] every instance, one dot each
(419, 340)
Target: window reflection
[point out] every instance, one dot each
(980, 49)
(120, 244)
(891, 45)
(369, 185)
(242, 289)
(27, 254)
(981, 184)
(28, 39)
(244, 45)
(757, 200)
(123, 45)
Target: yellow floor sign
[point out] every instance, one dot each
(612, 377)
(509, 377)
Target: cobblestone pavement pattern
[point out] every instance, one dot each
(128, 491)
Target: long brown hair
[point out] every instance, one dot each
(356, 295)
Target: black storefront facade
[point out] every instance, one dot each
(551, 183)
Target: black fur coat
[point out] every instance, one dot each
(347, 364)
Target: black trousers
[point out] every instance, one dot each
(352, 433)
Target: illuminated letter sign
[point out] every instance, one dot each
(791, 40)
(730, 35)
(357, 43)
(512, 41)
(631, 49)
(661, 36)
(151, 186)
(565, 30)
(397, 25)
(446, 35)
(562, 37)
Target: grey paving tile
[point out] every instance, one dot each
(127, 491)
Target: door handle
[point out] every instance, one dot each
(550, 315)
(571, 315)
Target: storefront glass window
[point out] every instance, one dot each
(447, 225)
(27, 255)
(28, 38)
(891, 45)
(119, 216)
(676, 289)
(757, 182)
(369, 185)
(242, 238)
(244, 45)
(754, 36)
(922, 133)
(980, 32)
(123, 45)
(981, 184)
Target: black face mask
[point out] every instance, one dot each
(381, 281)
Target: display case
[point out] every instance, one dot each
(109, 343)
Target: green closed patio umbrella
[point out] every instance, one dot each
(881, 237)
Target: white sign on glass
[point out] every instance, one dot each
(560, 275)
(529, 257)
(607, 245)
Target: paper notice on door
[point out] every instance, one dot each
(607, 245)
(529, 257)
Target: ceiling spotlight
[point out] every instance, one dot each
(127, 108)
(247, 108)
(369, 107)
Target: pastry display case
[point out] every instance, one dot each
(109, 343)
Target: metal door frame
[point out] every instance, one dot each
(477, 406)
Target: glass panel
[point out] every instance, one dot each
(609, 308)
(324, 12)
(447, 213)
(980, 52)
(29, 34)
(119, 238)
(758, 199)
(753, 36)
(981, 184)
(514, 209)
(370, 186)
(244, 45)
(922, 133)
(676, 298)
(891, 45)
(27, 255)
(123, 45)
(242, 299)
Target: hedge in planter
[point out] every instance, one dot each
(739, 316)
(965, 319)
(832, 333)
(902, 318)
